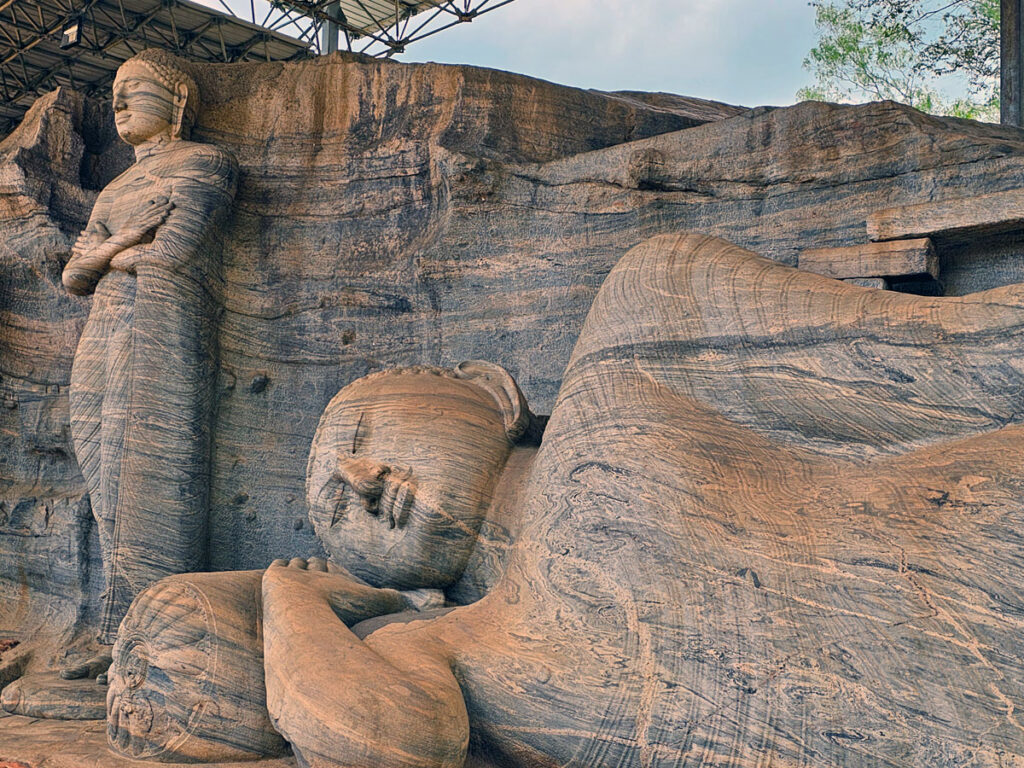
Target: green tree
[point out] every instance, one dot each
(940, 56)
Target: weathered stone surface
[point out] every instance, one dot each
(974, 216)
(47, 695)
(768, 524)
(492, 260)
(48, 175)
(878, 283)
(75, 744)
(68, 744)
(337, 262)
(374, 517)
(187, 681)
(391, 215)
(13, 664)
(444, 438)
(405, 467)
(338, 316)
(790, 523)
(898, 258)
(142, 389)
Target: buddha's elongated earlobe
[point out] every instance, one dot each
(178, 117)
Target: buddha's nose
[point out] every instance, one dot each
(365, 476)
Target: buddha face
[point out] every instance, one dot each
(401, 475)
(143, 106)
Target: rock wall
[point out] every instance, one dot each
(392, 214)
(50, 169)
(337, 262)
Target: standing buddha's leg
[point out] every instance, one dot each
(164, 469)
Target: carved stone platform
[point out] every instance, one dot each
(896, 258)
(26, 741)
(960, 217)
(77, 744)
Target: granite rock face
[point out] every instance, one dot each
(394, 214)
(50, 173)
(321, 282)
(775, 519)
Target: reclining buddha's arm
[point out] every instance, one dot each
(344, 702)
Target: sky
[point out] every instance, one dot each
(747, 52)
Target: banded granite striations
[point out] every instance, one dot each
(141, 395)
(769, 522)
(405, 467)
(419, 216)
(315, 241)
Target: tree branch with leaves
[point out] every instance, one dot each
(940, 56)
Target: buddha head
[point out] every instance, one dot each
(403, 467)
(154, 97)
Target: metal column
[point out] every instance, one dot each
(329, 30)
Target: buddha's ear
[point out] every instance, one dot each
(178, 115)
(520, 423)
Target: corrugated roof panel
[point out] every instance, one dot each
(374, 16)
(32, 62)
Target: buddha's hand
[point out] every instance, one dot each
(317, 564)
(351, 599)
(132, 237)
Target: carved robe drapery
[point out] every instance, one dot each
(142, 381)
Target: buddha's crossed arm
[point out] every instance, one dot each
(344, 702)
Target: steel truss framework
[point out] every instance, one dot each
(375, 27)
(32, 61)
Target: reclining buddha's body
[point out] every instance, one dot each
(775, 519)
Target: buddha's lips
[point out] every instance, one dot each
(397, 501)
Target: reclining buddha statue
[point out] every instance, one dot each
(775, 519)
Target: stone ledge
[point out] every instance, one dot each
(988, 214)
(899, 258)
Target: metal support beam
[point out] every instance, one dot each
(1011, 62)
(381, 33)
(330, 28)
(32, 61)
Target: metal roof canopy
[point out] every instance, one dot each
(32, 61)
(378, 27)
(375, 27)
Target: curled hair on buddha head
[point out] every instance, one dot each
(171, 71)
(521, 425)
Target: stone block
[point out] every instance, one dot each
(957, 218)
(879, 283)
(900, 258)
